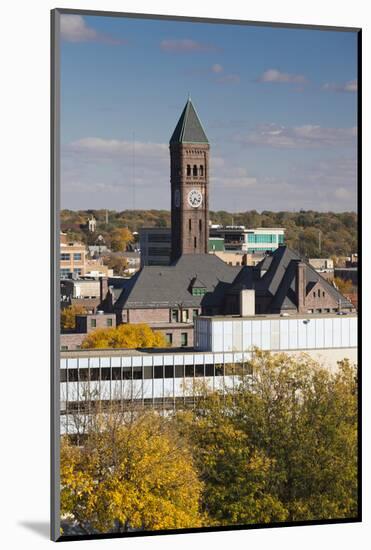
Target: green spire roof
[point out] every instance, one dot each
(189, 128)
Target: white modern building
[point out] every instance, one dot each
(222, 352)
(238, 237)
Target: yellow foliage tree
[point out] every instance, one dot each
(125, 336)
(344, 286)
(120, 239)
(68, 315)
(134, 475)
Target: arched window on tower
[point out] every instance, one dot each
(200, 225)
(194, 170)
(201, 170)
(190, 224)
(195, 242)
(188, 169)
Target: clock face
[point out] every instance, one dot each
(194, 198)
(177, 198)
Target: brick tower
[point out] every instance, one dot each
(189, 177)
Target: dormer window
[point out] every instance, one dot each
(198, 291)
(197, 287)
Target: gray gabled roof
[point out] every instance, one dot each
(189, 128)
(279, 279)
(170, 286)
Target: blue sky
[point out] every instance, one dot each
(278, 106)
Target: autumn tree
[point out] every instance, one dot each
(237, 475)
(343, 286)
(68, 316)
(133, 475)
(116, 262)
(125, 336)
(120, 238)
(282, 445)
(304, 418)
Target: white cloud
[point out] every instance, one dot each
(307, 136)
(185, 45)
(108, 148)
(274, 75)
(350, 86)
(216, 68)
(75, 29)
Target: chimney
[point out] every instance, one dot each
(247, 302)
(103, 287)
(300, 286)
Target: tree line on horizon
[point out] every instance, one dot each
(311, 233)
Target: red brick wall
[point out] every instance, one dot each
(148, 315)
(177, 334)
(72, 341)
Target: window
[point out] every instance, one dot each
(195, 242)
(179, 371)
(159, 237)
(77, 256)
(147, 373)
(318, 293)
(200, 225)
(198, 291)
(195, 313)
(194, 170)
(201, 171)
(169, 338)
(65, 272)
(209, 369)
(64, 348)
(185, 316)
(109, 322)
(190, 224)
(184, 339)
(199, 370)
(188, 169)
(189, 370)
(169, 371)
(93, 323)
(158, 371)
(323, 294)
(174, 315)
(77, 270)
(116, 373)
(65, 256)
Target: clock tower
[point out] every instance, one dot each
(189, 177)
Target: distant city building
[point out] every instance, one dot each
(133, 261)
(249, 240)
(322, 264)
(74, 260)
(155, 245)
